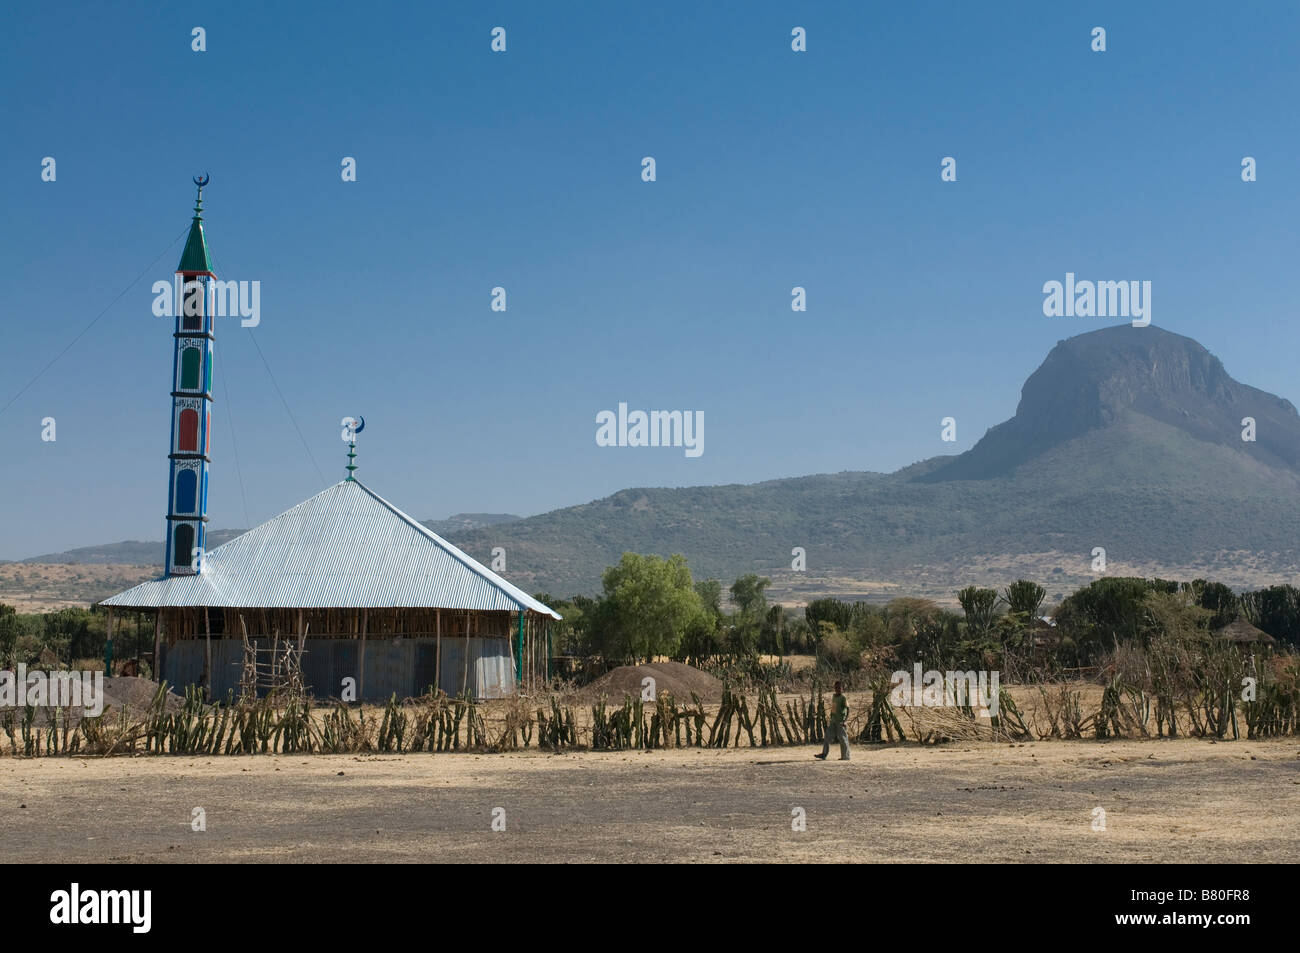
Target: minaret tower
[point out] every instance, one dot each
(187, 494)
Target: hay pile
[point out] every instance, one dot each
(676, 678)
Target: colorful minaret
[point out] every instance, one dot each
(187, 494)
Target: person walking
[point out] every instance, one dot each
(837, 728)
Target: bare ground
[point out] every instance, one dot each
(1186, 800)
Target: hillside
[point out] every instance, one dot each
(464, 522)
(127, 553)
(1125, 438)
(43, 587)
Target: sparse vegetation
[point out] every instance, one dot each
(1120, 658)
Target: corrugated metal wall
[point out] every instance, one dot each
(404, 667)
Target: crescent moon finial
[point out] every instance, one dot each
(202, 180)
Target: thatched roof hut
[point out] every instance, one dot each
(1242, 633)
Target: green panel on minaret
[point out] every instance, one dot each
(195, 258)
(190, 369)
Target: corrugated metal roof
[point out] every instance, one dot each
(345, 548)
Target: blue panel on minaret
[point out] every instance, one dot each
(187, 492)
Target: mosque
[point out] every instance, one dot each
(374, 596)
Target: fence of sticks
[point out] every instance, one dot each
(286, 723)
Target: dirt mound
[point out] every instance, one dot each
(128, 693)
(673, 677)
(136, 694)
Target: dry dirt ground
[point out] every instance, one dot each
(1186, 801)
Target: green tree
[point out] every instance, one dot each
(797, 634)
(649, 605)
(9, 632)
(567, 634)
(1173, 615)
(934, 638)
(772, 637)
(868, 627)
(1218, 598)
(1275, 610)
(835, 650)
(75, 634)
(751, 614)
(1024, 597)
(839, 614)
(710, 593)
(980, 606)
(747, 594)
(1104, 613)
(700, 642)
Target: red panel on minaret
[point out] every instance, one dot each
(189, 435)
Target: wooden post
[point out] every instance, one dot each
(361, 680)
(250, 657)
(437, 654)
(207, 631)
(469, 628)
(157, 645)
(519, 641)
(108, 650)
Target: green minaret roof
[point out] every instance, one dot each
(195, 258)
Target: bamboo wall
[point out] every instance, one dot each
(405, 667)
(393, 650)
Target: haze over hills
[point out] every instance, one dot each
(1128, 439)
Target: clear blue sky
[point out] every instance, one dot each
(522, 169)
